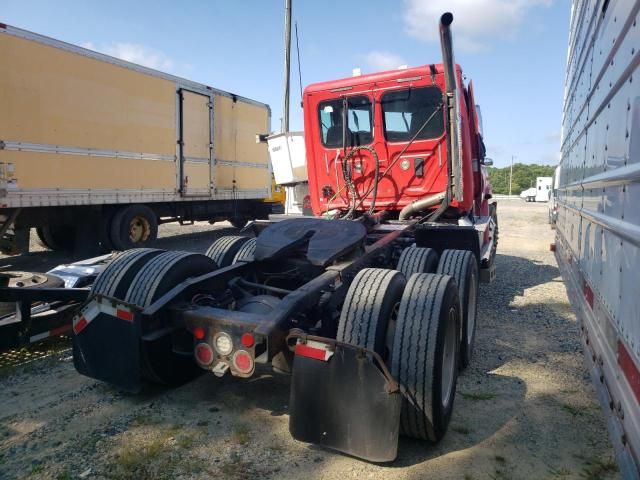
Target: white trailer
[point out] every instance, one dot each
(598, 227)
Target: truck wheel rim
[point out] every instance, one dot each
(471, 308)
(139, 229)
(448, 358)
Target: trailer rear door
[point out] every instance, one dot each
(195, 140)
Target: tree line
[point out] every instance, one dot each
(524, 176)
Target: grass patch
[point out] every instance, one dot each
(478, 396)
(559, 472)
(64, 475)
(241, 434)
(136, 460)
(36, 469)
(599, 469)
(461, 430)
(236, 470)
(574, 411)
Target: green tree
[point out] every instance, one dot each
(524, 176)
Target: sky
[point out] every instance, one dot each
(513, 50)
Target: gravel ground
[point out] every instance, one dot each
(525, 408)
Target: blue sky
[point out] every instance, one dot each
(513, 50)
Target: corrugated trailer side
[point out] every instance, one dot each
(598, 226)
(82, 128)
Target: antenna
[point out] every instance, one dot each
(299, 66)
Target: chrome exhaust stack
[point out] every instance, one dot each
(454, 158)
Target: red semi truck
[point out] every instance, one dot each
(370, 305)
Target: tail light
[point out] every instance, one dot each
(247, 340)
(243, 362)
(199, 333)
(223, 344)
(204, 354)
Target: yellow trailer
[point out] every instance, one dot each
(89, 140)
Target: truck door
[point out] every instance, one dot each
(195, 141)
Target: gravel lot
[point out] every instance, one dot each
(525, 408)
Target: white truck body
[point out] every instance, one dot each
(598, 227)
(543, 188)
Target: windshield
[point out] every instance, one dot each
(406, 111)
(359, 122)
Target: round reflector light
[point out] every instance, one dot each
(199, 333)
(243, 361)
(224, 344)
(405, 164)
(204, 354)
(247, 340)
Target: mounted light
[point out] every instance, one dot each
(199, 333)
(247, 340)
(405, 164)
(204, 354)
(223, 344)
(243, 361)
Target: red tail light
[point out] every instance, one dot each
(247, 340)
(204, 354)
(199, 333)
(243, 361)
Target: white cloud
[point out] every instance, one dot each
(136, 53)
(476, 22)
(379, 61)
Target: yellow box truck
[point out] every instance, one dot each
(95, 150)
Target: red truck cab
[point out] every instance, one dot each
(384, 112)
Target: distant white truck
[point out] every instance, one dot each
(539, 193)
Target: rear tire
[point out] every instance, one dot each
(246, 252)
(463, 267)
(160, 363)
(134, 226)
(224, 250)
(417, 260)
(115, 279)
(424, 359)
(370, 308)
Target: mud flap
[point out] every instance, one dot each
(106, 343)
(344, 401)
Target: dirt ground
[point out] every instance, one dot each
(525, 408)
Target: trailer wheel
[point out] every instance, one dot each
(424, 358)
(160, 362)
(115, 279)
(134, 226)
(417, 260)
(246, 252)
(57, 237)
(224, 249)
(369, 309)
(463, 267)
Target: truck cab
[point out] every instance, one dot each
(379, 142)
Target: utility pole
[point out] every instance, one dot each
(511, 174)
(287, 65)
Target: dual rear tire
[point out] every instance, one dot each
(414, 326)
(140, 277)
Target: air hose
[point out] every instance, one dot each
(353, 193)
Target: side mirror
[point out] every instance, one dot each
(488, 162)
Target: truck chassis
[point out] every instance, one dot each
(343, 306)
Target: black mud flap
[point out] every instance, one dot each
(106, 343)
(344, 401)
